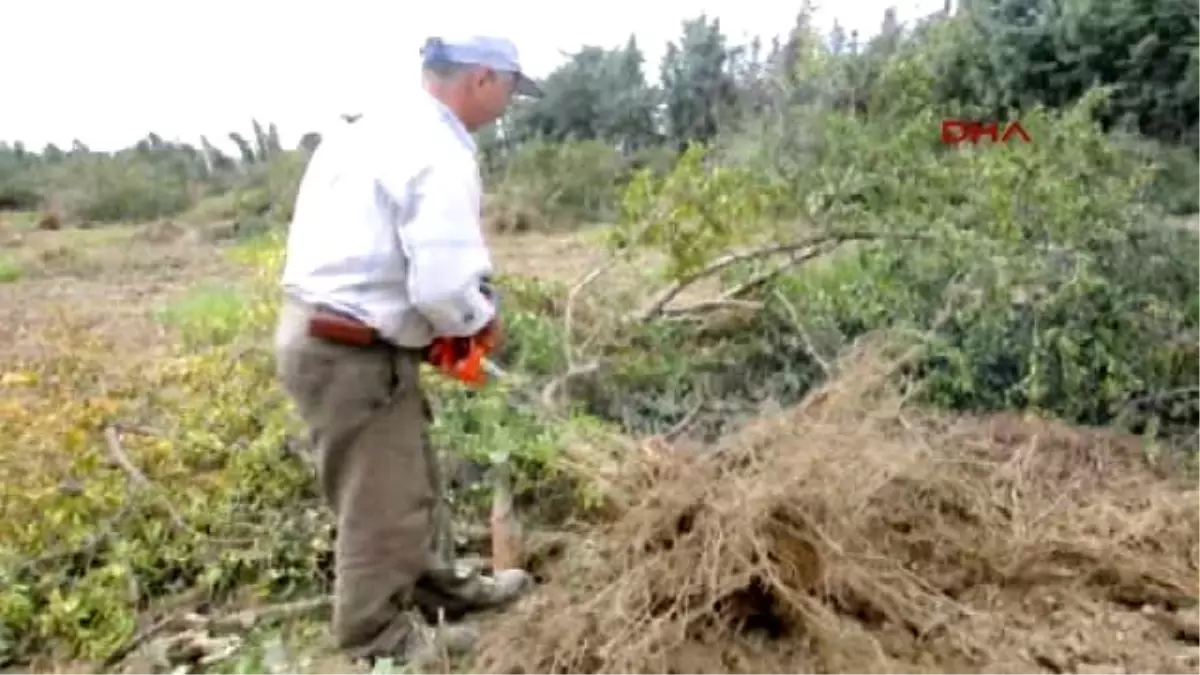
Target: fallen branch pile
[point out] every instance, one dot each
(852, 535)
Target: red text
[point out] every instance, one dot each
(958, 131)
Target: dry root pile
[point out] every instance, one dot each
(848, 536)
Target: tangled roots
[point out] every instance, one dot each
(850, 535)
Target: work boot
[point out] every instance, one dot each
(504, 586)
(454, 594)
(427, 647)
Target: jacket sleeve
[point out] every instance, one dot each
(442, 240)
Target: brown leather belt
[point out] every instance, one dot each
(340, 328)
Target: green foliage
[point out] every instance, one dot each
(1040, 280)
(81, 561)
(10, 270)
(543, 185)
(1014, 53)
(505, 421)
(696, 83)
(597, 94)
(1176, 184)
(530, 314)
(565, 182)
(230, 505)
(1040, 276)
(115, 190)
(208, 315)
(151, 180)
(18, 190)
(692, 213)
(994, 59)
(269, 188)
(490, 426)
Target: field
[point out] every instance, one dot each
(135, 293)
(796, 386)
(851, 531)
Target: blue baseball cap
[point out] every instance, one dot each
(496, 53)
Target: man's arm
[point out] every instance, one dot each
(448, 261)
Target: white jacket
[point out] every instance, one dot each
(387, 225)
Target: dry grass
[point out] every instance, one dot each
(104, 279)
(552, 256)
(850, 535)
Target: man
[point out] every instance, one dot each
(384, 254)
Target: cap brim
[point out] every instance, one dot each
(527, 87)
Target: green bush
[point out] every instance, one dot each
(1176, 185)
(269, 189)
(569, 183)
(17, 191)
(102, 188)
(150, 181)
(1038, 276)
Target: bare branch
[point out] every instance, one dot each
(800, 251)
(757, 281)
(113, 441)
(248, 618)
(118, 455)
(682, 425)
(809, 345)
(550, 391)
(732, 298)
(139, 639)
(138, 430)
(569, 311)
(710, 306)
(187, 624)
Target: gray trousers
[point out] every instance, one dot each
(368, 419)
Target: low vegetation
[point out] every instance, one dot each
(794, 385)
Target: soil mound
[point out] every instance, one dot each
(851, 534)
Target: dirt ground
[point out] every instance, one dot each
(107, 280)
(111, 279)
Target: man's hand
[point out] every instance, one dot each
(494, 333)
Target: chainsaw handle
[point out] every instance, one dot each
(461, 358)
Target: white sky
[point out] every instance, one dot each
(110, 71)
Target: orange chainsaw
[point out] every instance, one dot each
(462, 358)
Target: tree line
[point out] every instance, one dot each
(994, 59)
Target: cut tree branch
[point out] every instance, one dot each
(187, 622)
(569, 311)
(550, 391)
(800, 251)
(809, 345)
(711, 306)
(140, 481)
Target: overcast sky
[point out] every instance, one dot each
(109, 71)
